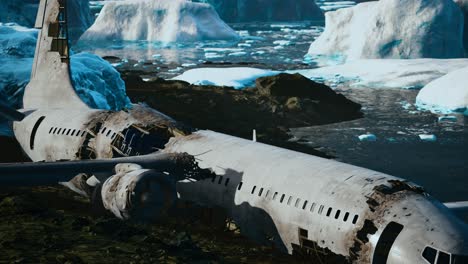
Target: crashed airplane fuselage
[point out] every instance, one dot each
(295, 201)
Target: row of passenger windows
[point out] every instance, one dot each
(296, 202)
(79, 133)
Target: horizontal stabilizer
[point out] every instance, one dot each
(10, 113)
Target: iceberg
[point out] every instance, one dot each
(24, 13)
(159, 21)
(396, 29)
(446, 94)
(234, 11)
(237, 77)
(463, 4)
(95, 80)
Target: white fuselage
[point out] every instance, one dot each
(278, 196)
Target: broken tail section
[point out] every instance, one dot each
(50, 85)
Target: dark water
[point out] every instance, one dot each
(441, 166)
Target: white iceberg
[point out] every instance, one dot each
(395, 29)
(238, 77)
(446, 94)
(386, 73)
(95, 80)
(266, 11)
(158, 20)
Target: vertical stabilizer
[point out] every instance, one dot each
(50, 85)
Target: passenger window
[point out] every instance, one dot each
(58, 132)
(275, 195)
(103, 130)
(443, 258)
(73, 132)
(78, 133)
(282, 198)
(227, 182)
(50, 131)
(108, 133)
(429, 254)
(267, 193)
(260, 192)
(289, 200)
(355, 219)
(253, 189)
(55, 130)
(240, 186)
(312, 207)
(68, 132)
(320, 210)
(329, 211)
(64, 131)
(297, 202)
(305, 204)
(337, 215)
(346, 217)
(84, 133)
(220, 179)
(213, 179)
(113, 135)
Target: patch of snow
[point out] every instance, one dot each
(158, 20)
(406, 74)
(393, 29)
(238, 77)
(446, 94)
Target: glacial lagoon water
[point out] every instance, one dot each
(428, 149)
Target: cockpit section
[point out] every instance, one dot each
(435, 256)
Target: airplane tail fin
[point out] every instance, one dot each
(50, 85)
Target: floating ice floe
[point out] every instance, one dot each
(368, 137)
(393, 29)
(158, 20)
(446, 94)
(447, 118)
(428, 137)
(239, 77)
